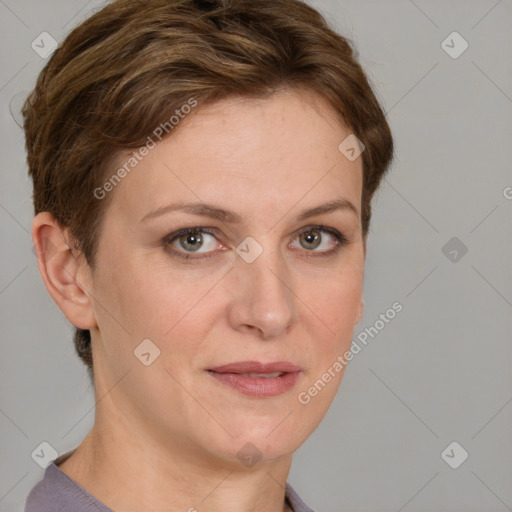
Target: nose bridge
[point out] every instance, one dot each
(265, 300)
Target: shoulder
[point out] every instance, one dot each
(296, 501)
(56, 492)
(37, 499)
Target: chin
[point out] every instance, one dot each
(259, 441)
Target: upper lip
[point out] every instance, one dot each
(256, 367)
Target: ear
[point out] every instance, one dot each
(66, 275)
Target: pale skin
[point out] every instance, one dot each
(166, 436)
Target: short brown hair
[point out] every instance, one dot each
(126, 69)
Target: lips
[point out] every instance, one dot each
(257, 367)
(255, 379)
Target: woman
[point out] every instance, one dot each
(203, 174)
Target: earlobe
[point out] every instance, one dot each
(62, 271)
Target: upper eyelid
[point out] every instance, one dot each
(184, 231)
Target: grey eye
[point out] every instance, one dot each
(191, 241)
(310, 239)
(195, 241)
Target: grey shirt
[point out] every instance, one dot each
(56, 492)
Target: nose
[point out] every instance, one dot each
(263, 300)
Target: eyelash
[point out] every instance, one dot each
(340, 240)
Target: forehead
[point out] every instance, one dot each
(246, 152)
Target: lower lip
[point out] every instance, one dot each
(260, 387)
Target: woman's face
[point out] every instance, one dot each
(292, 293)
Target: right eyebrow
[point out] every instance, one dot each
(203, 209)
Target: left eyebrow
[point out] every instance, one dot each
(208, 210)
(331, 206)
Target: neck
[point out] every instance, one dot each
(127, 470)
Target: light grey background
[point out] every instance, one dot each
(439, 372)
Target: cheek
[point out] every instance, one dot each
(171, 308)
(341, 304)
(337, 297)
(336, 303)
(333, 310)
